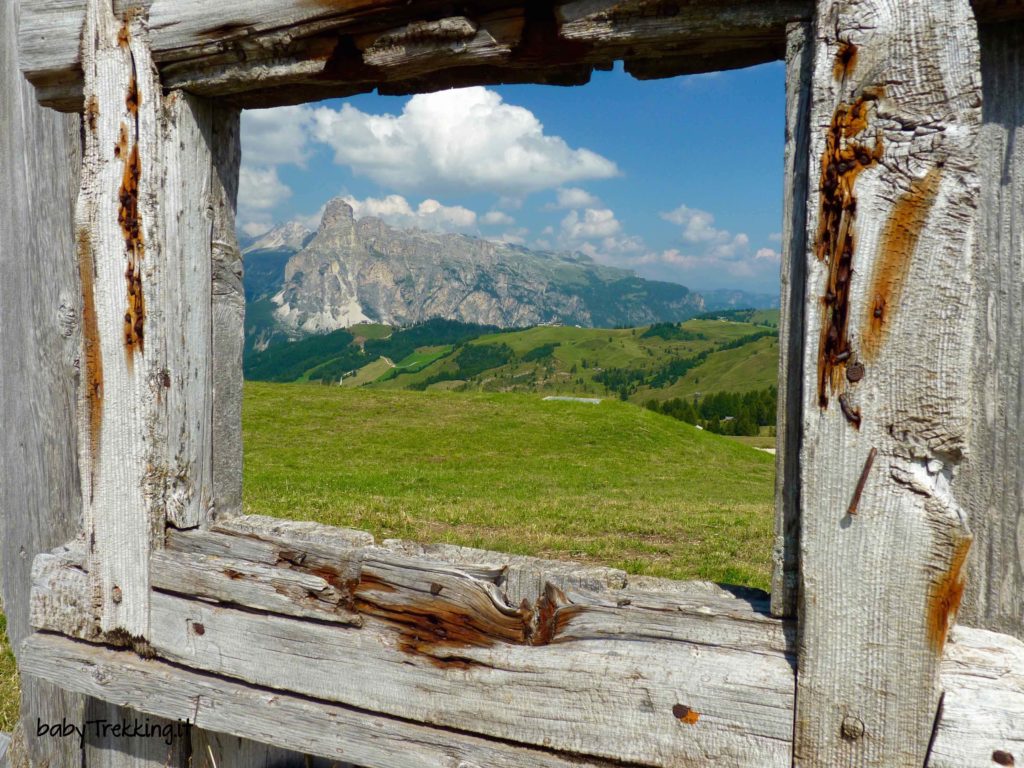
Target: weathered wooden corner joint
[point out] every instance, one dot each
(172, 604)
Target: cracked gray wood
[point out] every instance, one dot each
(994, 475)
(895, 117)
(40, 504)
(271, 53)
(654, 675)
(982, 672)
(789, 428)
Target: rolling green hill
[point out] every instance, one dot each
(610, 484)
(733, 351)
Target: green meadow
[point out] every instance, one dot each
(611, 484)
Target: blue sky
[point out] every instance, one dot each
(678, 179)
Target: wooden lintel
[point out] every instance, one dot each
(261, 54)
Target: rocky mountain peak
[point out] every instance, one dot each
(290, 236)
(337, 214)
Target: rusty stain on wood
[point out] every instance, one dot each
(859, 490)
(944, 597)
(842, 162)
(1001, 757)
(846, 60)
(686, 714)
(899, 240)
(92, 351)
(128, 215)
(431, 626)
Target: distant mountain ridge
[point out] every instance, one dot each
(352, 271)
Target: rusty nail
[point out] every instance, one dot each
(435, 589)
(852, 728)
(115, 594)
(198, 628)
(855, 501)
(855, 372)
(1002, 758)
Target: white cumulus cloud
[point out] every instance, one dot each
(497, 219)
(276, 136)
(260, 191)
(464, 139)
(573, 197)
(429, 214)
(594, 223)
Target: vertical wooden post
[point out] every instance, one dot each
(120, 430)
(888, 409)
(994, 477)
(785, 553)
(40, 506)
(153, 204)
(228, 316)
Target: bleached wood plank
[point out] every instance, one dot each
(789, 428)
(982, 674)
(994, 475)
(295, 723)
(895, 113)
(228, 316)
(983, 705)
(40, 335)
(255, 585)
(621, 674)
(270, 53)
(185, 248)
(121, 437)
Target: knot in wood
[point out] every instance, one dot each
(852, 728)
(115, 594)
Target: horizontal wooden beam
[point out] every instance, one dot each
(262, 53)
(538, 654)
(292, 722)
(543, 654)
(983, 674)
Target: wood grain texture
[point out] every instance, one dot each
(895, 117)
(789, 429)
(290, 722)
(272, 53)
(40, 505)
(982, 673)
(122, 419)
(185, 248)
(228, 316)
(612, 673)
(994, 477)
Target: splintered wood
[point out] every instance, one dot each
(511, 658)
(895, 113)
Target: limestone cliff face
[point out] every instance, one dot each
(356, 271)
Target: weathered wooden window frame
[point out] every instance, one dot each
(314, 638)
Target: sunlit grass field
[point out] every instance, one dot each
(612, 484)
(8, 681)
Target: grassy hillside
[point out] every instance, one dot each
(611, 484)
(8, 681)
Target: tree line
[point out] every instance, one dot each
(725, 413)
